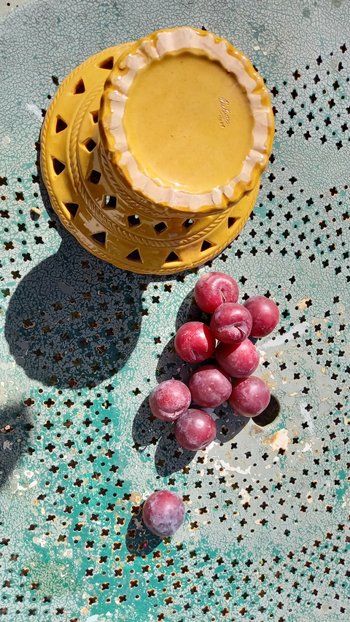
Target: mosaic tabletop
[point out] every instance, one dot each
(83, 343)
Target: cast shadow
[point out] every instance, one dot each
(139, 540)
(74, 320)
(270, 413)
(171, 366)
(228, 424)
(169, 457)
(189, 312)
(15, 426)
(147, 429)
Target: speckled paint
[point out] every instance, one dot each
(83, 343)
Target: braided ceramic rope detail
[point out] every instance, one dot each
(89, 244)
(97, 212)
(85, 240)
(184, 240)
(78, 183)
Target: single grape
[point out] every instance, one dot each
(195, 429)
(250, 396)
(209, 387)
(265, 315)
(231, 323)
(238, 360)
(214, 288)
(163, 513)
(169, 400)
(194, 342)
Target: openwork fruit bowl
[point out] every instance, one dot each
(152, 151)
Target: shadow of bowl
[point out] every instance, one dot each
(15, 426)
(74, 320)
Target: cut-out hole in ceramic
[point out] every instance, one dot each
(160, 227)
(206, 245)
(231, 221)
(135, 256)
(60, 125)
(79, 87)
(188, 223)
(72, 208)
(58, 166)
(95, 176)
(110, 202)
(90, 144)
(107, 64)
(100, 237)
(172, 257)
(134, 220)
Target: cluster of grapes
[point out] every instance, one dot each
(234, 326)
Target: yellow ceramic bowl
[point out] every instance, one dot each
(152, 151)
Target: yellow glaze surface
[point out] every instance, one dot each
(200, 73)
(188, 122)
(97, 203)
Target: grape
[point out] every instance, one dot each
(169, 400)
(265, 315)
(250, 396)
(163, 513)
(194, 342)
(238, 360)
(209, 386)
(213, 289)
(231, 323)
(195, 429)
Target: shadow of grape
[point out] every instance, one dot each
(139, 540)
(170, 365)
(270, 413)
(146, 429)
(228, 424)
(169, 457)
(15, 426)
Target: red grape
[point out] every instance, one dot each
(265, 315)
(213, 289)
(195, 429)
(169, 400)
(238, 360)
(209, 386)
(231, 323)
(250, 396)
(163, 513)
(194, 342)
